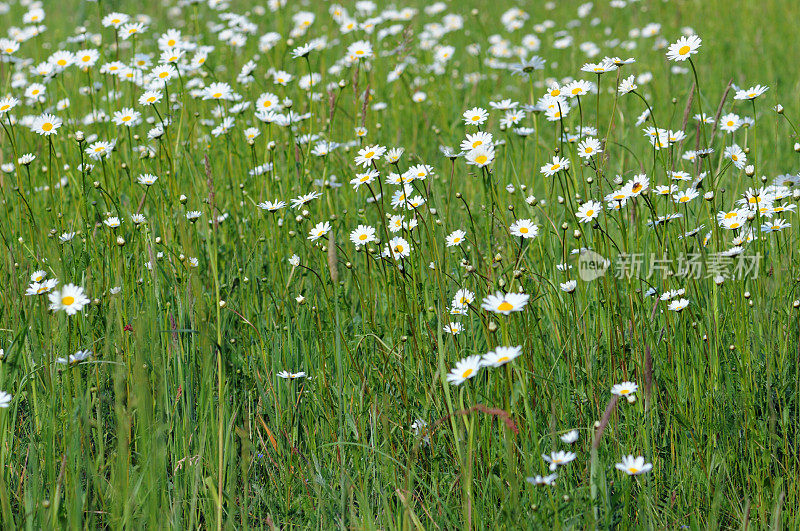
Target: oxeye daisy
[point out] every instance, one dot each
(164, 73)
(113, 222)
(218, 91)
(464, 370)
(46, 124)
(558, 164)
(5, 399)
(684, 48)
(126, 31)
(736, 155)
(147, 179)
(398, 248)
(360, 50)
(115, 20)
(319, 230)
(588, 211)
(543, 480)
(626, 389)
(366, 177)
(633, 466)
(505, 303)
(86, 58)
(455, 238)
(589, 147)
(559, 458)
(70, 298)
(453, 328)
(475, 116)
(7, 103)
(678, 305)
(127, 117)
(78, 357)
(463, 297)
(685, 196)
(393, 155)
(481, 156)
(271, 206)
(286, 375)
(368, 154)
(99, 149)
(569, 437)
(751, 93)
(627, 85)
(579, 87)
(500, 356)
(362, 235)
(476, 140)
(524, 228)
(568, 286)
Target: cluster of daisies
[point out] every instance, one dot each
(71, 299)
(629, 464)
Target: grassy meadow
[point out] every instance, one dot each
(399, 265)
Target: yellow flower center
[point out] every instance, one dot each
(503, 359)
(47, 126)
(362, 237)
(684, 50)
(171, 42)
(476, 144)
(67, 301)
(576, 90)
(524, 230)
(590, 212)
(126, 118)
(505, 306)
(217, 95)
(633, 470)
(476, 118)
(481, 159)
(467, 373)
(636, 187)
(61, 62)
(369, 155)
(151, 99)
(162, 75)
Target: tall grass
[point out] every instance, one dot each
(179, 417)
